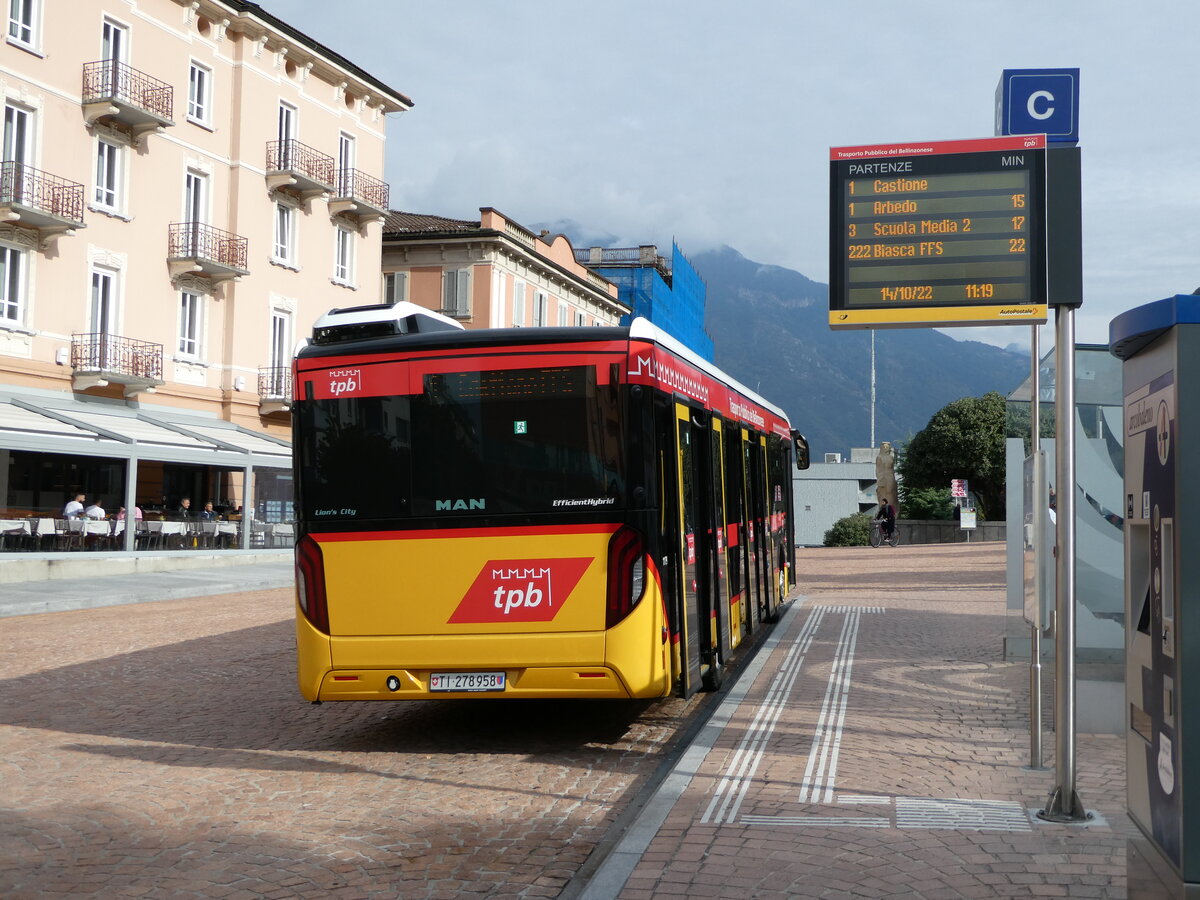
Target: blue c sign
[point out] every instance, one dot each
(1039, 101)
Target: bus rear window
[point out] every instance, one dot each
(493, 442)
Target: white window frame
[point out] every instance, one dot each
(108, 191)
(106, 282)
(199, 94)
(580, 318)
(195, 197)
(564, 313)
(346, 161)
(343, 256)
(286, 129)
(18, 133)
(541, 307)
(13, 266)
(279, 337)
(25, 23)
(395, 287)
(285, 235)
(190, 344)
(456, 293)
(518, 304)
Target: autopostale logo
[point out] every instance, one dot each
(519, 590)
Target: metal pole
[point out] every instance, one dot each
(1035, 629)
(247, 506)
(129, 535)
(872, 388)
(1064, 805)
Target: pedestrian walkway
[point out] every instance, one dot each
(221, 576)
(877, 746)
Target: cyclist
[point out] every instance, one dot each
(886, 517)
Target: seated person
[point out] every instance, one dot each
(74, 507)
(95, 510)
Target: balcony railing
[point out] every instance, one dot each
(275, 384)
(45, 199)
(300, 159)
(360, 194)
(119, 358)
(212, 251)
(115, 82)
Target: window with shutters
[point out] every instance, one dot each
(395, 287)
(518, 304)
(456, 293)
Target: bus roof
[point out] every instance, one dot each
(405, 333)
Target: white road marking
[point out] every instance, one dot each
(820, 774)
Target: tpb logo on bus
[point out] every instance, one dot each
(345, 381)
(519, 590)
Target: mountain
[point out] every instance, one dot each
(770, 328)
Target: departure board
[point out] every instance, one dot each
(935, 234)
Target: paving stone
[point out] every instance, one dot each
(161, 749)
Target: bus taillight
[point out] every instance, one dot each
(626, 574)
(310, 583)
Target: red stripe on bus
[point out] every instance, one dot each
(352, 377)
(320, 363)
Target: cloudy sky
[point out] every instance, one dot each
(711, 122)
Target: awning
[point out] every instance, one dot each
(96, 428)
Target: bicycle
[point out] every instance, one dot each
(877, 537)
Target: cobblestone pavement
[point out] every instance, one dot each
(877, 747)
(883, 751)
(162, 750)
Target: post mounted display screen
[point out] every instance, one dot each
(942, 233)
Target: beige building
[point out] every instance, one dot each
(186, 186)
(492, 273)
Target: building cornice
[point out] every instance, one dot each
(255, 23)
(514, 249)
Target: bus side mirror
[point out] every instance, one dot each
(800, 442)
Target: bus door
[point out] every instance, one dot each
(702, 664)
(780, 490)
(729, 615)
(672, 552)
(740, 621)
(728, 624)
(756, 523)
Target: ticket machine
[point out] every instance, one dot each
(1159, 344)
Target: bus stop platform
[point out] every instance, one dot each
(876, 745)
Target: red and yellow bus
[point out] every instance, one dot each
(541, 512)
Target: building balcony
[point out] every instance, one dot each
(206, 251)
(299, 169)
(44, 203)
(274, 389)
(98, 360)
(121, 96)
(359, 195)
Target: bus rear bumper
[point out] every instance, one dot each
(596, 682)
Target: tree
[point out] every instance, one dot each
(964, 439)
(926, 503)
